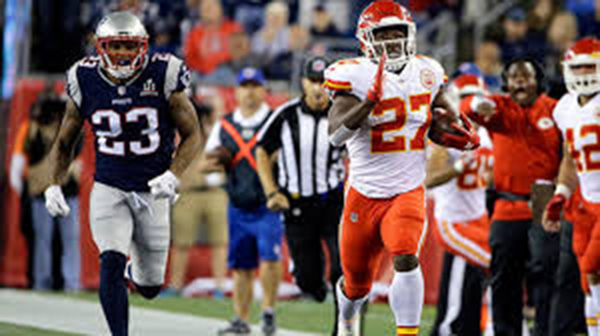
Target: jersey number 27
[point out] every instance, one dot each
(106, 142)
(397, 142)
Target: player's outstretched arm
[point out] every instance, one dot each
(567, 183)
(61, 153)
(185, 119)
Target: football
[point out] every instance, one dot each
(221, 154)
(440, 123)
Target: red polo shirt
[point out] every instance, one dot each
(527, 147)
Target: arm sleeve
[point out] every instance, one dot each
(73, 89)
(177, 77)
(269, 136)
(214, 139)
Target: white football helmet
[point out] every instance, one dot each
(584, 52)
(386, 14)
(122, 27)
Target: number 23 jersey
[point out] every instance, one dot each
(580, 127)
(387, 153)
(133, 132)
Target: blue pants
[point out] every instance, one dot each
(253, 235)
(43, 226)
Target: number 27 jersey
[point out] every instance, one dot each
(387, 153)
(133, 131)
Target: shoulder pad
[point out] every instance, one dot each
(435, 66)
(177, 75)
(347, 75)
(73, 88)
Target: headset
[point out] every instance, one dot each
(540, 76)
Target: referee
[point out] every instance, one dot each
(311, 174)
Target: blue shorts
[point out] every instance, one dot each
(253, 235)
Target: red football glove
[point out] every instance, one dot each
(555, 206)
(551, 218)
(467, 138)
(376, 91)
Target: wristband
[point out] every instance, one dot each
(341, 135)
(563, 189)
(272, 194)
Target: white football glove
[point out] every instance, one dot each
(55, 201)
(164, 186)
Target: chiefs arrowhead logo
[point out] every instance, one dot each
(427, 78)
(545, 123)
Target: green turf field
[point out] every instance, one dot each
(294, 315)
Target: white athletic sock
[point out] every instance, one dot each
(406, 300)
(595, 289)
(347, 308)
(591, 319)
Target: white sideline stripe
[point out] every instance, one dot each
(82, 317)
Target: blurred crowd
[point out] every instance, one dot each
(216, 38)
(219, 37)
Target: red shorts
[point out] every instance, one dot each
(469, 239)
(586, 235)
(369, 225)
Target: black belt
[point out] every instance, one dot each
(505, 195)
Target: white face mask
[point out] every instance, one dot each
(582, 84)
(125, 69)
(399, 50)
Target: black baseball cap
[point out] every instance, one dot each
(314, 68)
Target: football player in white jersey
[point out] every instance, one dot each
(381, 111)
(458, 181)
(577, 114)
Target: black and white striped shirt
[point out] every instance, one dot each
(308, 164)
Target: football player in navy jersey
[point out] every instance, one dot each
(135, 102)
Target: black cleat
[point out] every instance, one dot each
(268, 325)
(236, 327)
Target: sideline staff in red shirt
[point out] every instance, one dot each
(526, 146)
